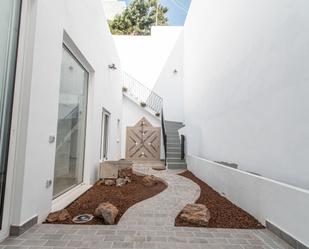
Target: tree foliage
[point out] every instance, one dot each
(138, 18)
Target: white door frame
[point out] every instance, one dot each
(11, 157)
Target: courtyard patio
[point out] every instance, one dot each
(148, 224)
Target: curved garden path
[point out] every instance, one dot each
(162, 209)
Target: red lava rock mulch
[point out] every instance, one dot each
(122, 197)
(224, 214)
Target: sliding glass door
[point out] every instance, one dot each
(9, 24)
(70, 150)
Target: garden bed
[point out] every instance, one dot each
(224, 214)
(121, 197)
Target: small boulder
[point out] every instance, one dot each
(121, 182)
(107, 211)
(59, 216)
(109, 182)
(195, 214)
(159, 167)
(123, 173)
(100, 182)
(128, 180)
(150, 181)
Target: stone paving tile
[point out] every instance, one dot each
(148, 224)
(33, 242)
(16, 247)
(56, 243)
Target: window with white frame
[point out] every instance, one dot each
(105, 134)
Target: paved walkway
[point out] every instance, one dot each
(162, 209)
(148, 224)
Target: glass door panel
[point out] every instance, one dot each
(70, 150)
(9, 26)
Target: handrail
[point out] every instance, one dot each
(164, 135)
(143, 95)
(182, 139)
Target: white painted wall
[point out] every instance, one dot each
(85, 24)
(112, 8)
(283, 205)
(169, 84)
(144, 57)
(131, 114)
(246, 101)
(152, 61)
(246, 85)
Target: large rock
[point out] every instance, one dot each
(107, 211)
(195, 214)
(150, 181)
(59, 216)
(110, 169)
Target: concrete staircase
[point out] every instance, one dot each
(173, 150)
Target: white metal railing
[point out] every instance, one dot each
(141, 94)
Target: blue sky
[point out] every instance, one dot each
(176, 14)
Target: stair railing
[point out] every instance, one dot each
(141, 94)
(182, 139)
(164, 135)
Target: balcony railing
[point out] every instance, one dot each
(141, 94)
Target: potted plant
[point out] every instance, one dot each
(124, 89)
(143, 104)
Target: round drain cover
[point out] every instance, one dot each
(82, 218)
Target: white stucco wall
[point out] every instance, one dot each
(112, 8)
(281, 204)
(246, 85)
(85, 24)
(144, 57)
(169, 84)
(246, 102)
(131, 114)
(152, 60)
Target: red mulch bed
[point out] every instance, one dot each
(121, 197)
(224, 214)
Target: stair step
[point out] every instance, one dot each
(173, 122)
(174, 140)
(177, 165)
(172, 136)
(176, 136)
(173, 132)
(173, 127)
(173, 154)
(171, 150)
(173, 144)
(175, 160)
